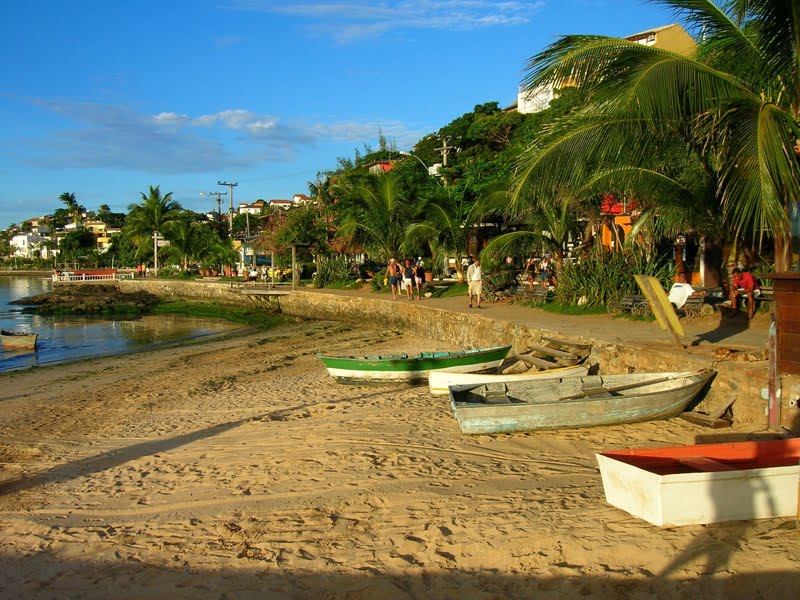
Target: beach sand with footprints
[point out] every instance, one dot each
(238, 469)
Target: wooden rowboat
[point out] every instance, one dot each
(574, 401)
(411, 368)
(710, 483)
(440, 381)
(14, 340)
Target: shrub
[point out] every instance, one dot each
(377, 280)
(331, 270)
(605, 277)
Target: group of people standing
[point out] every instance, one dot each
(407, 277)
(539, 272)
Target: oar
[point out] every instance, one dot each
(619, 388)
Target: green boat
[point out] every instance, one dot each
(412, 368)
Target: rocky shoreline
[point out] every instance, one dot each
(88, 299)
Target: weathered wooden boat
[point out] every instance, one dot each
(574, 401)
(704, 483)
(440, 381)
(15, 340)
(411, 368)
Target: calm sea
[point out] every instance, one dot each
(70, 338)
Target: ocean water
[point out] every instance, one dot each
(70, 338)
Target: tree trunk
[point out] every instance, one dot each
(783, 252)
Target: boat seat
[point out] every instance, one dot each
(702, 463)
(496, 393)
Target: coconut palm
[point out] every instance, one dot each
(75, 210)
(375, 213)
(734, 106)
(184, 240)
(152, 216)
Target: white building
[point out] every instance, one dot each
(28, 245)
(253, 209)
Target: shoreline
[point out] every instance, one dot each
(238, 468)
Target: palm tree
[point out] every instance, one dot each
(734, 106)
(375, 213)
(446, 227)
(151, 217)
(74, 209)
(184, 239)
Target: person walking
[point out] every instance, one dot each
(393, 270)
(419, 277)
(474, 282)
(408, 280)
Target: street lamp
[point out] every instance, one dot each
(404, 153)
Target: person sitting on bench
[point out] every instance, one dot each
(680, 291)
(744, 283)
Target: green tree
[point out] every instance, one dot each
(734, 106)
(74, 209)
(375, 212)
(185, 239)
(151, 216)
(77, 244)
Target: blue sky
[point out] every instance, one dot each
(103, 98)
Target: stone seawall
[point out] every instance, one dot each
(739, 381)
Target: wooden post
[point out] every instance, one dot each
(773, 377)
(294, 265)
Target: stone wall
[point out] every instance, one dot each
(739, 381)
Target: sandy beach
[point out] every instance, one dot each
(238, 469)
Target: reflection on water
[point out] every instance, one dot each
(70, 338)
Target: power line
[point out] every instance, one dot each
(219, 201)
(230, 214)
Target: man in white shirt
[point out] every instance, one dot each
(474, 281)
(680, 291)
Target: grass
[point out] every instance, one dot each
(236, 314)
(455, 290)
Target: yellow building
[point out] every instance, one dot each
(668, 37)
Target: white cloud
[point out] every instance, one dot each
(348, 21)
(170, 118)
(119, 137)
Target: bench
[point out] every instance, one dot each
(693, 306)
(636, 305)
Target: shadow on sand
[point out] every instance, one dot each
(114, 458)
(250, 577)
(715, 546)
(730, 323)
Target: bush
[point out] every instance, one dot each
(377, 280)
(332, 270)
(605, 277)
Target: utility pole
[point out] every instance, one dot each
(230, 214)
(444, 150)
(219, 201)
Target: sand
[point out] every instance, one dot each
(238, 469)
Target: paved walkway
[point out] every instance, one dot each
(703, 333)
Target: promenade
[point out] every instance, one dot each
(704, 334)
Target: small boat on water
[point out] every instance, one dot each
(440, 381)
(574, 401)
(707, 483)
(411, 368)
(15, 340)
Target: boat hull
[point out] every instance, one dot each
(16, 341)
(411, 368)
(703, 484)
(439, 382)
(480, 413)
